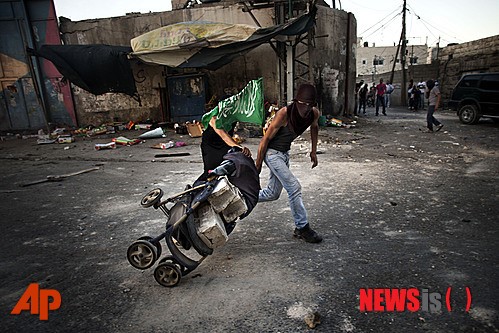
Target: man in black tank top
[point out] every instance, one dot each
(288, 123)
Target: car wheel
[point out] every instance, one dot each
(468, 114)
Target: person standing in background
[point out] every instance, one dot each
(363, 98)
(389, 90)
(380, 97)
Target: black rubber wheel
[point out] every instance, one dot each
(157, 244)
(468, 114)
(142, 254)
(167, 274)
(151, 198)
(172, 260)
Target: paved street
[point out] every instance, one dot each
(398, 209)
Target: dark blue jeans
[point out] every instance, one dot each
(430, 119)
(380, 100)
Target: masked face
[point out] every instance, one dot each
(304, 109)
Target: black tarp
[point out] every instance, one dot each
(98, 69)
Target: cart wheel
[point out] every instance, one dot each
(142, 254)
(157, 244)
(152, 197)
(167, 275)
(173, 261)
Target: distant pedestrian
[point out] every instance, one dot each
(416, 97)
(358, 85)
(433, 96)
(371, 96)
(380, 97)
(363, 98)
(409, 94)
(389, 90)
(422, 89)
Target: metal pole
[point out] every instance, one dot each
(403, 94)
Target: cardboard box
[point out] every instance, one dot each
(195, 130)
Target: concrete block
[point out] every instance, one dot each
(227, 200)
(223, 194)
(236, 208)
(210, 227)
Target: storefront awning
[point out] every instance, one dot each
(210, 45)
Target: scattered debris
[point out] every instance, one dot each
(155, 133)
(180, 128)
(172, 155)
(142, 126)
(110, 145)
(45, 141)
(125, 141)
(333, 122)
(57, 178)
(169, 144)
(312, 319)
(65, 139)
(195, 129)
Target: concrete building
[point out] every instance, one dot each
(373, 60)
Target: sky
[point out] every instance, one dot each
(380, 21)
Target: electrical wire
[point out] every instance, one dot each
(435, 28)
(396, 9)
(383, 26)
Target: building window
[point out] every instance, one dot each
(364, 61)
(378, 61)
(414, 60)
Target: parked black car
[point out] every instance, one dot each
(476, 96)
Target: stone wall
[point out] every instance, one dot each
(333, 60)
(478, 56)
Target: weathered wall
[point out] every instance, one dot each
(328, 59)
(333, 46)
(473, 57)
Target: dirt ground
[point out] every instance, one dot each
(397, 208)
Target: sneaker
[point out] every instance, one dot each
(384, 113)
(307, 234)
(427, 130)
(439, 127)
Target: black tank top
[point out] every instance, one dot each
(282, 140)
(286, 134)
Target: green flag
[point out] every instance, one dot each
(246, 106)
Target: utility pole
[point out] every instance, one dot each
(403, 88)
(395, 60)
